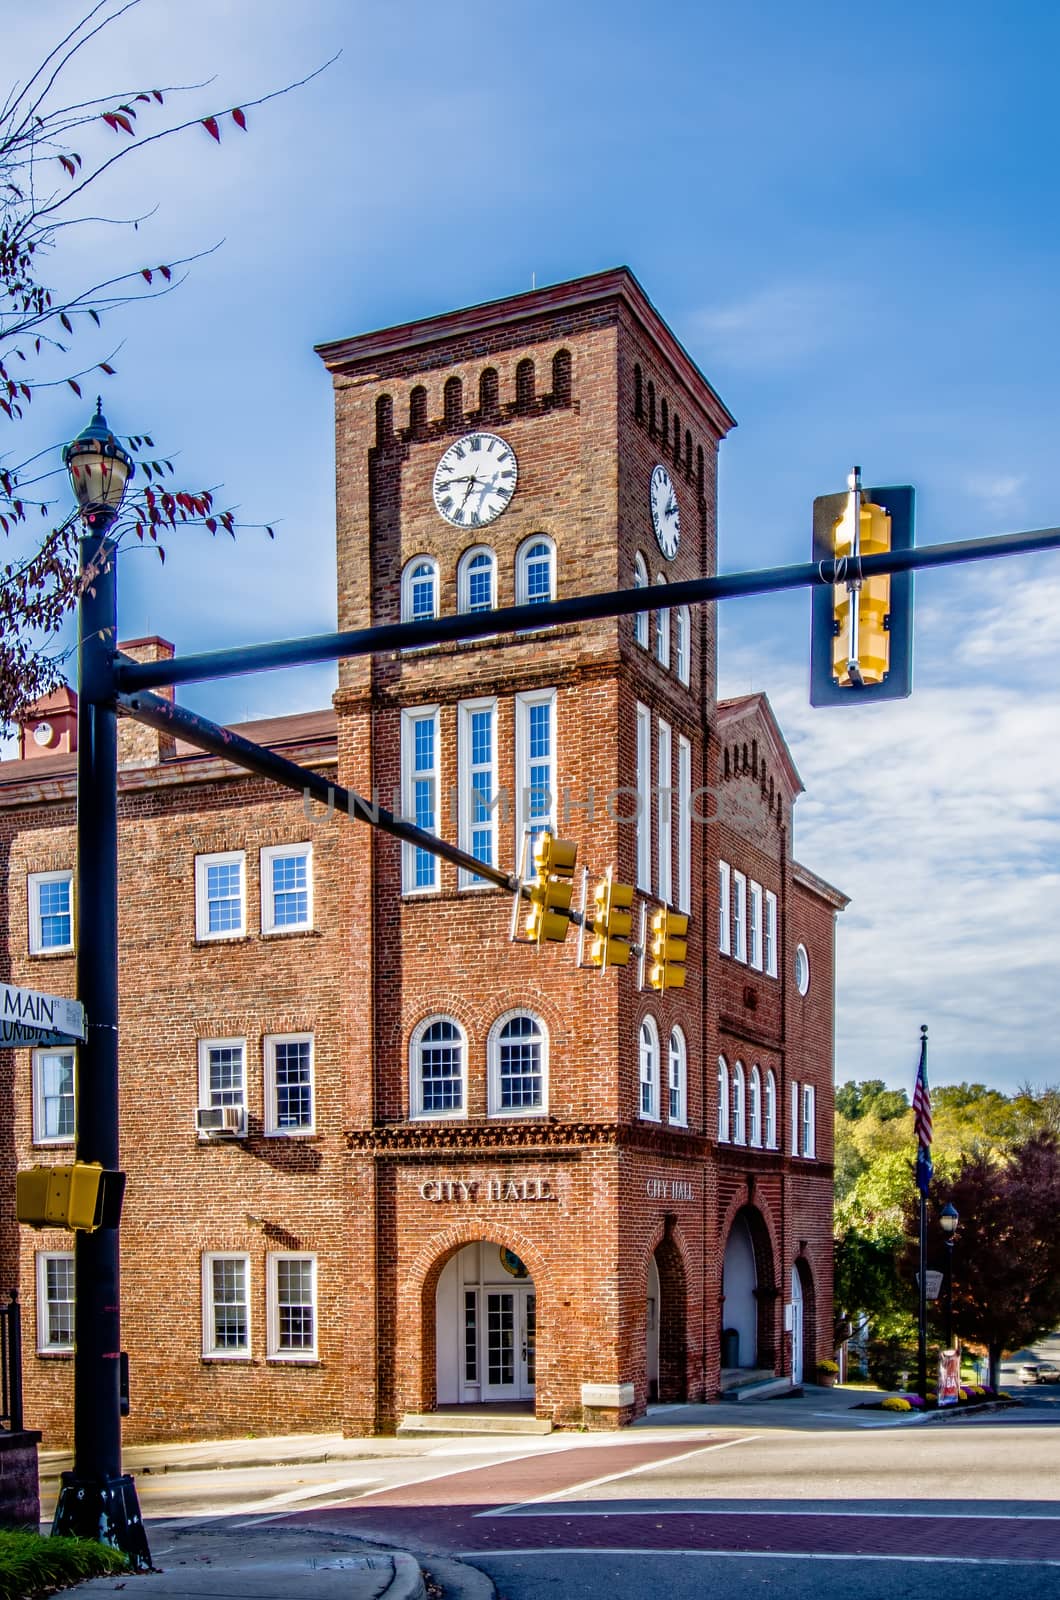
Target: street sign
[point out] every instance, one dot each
(29, 1018)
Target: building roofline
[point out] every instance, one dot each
(757, 706)
(805, 879)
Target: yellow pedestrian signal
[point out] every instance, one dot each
(861, 649)
(550, 896)
(612, 924)
(81, 1195)
(668, 949)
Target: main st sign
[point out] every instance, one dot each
(31, 1019)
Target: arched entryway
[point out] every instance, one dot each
(666, 1342)
(796, 1326)
(749, 1294)
(485, 1327)
(803, 1321)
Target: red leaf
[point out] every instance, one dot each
(111, 120)
(124, 122)
(210, 124)
(68, 166)
(106, 367)
(146, 273)
(74, 386)
(157, 94)
(211, 523)
(67, 324)
(166, 273)
(239, 118)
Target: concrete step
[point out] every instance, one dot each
(760, 1389)
(420, 1422)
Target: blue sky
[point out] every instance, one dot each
(848, 215)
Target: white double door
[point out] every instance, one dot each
(485, 1327)
(508, 1342)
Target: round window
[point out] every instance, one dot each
(802, 969)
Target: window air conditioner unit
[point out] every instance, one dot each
(221, 1121)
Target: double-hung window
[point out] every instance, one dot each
(724, 908)
(53, 1097)
(682, 644)
(517, 1052)
(754, 926)
(220, 895)
(808, 1132)
(771, 934)
(419, 589)
(479, 799)
(684, 824)
(289, 1098)
(438, 1069)
(664, 793)
(223, 1072)
(476, 580)
(292, 1307)
(643, 798)
(723, 1100)
(754, 1107)
(739, 1119)
(771, 1110)
(51, 912)
(286, 888)
(739, 916)
(535, 763)
(419, 795)
(649, 1070)
(640, 619)
(226, 1305)
(535, 565)
(678, 1108)
(662, 635)
(55, 1301)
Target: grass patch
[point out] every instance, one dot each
(31, 1565)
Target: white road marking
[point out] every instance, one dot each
(703, 1508)
(479, 1556)
(612, 1477)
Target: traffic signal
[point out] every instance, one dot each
(81, 1195)
(612, 924)
(551, 895)
(668, 948)
(862, 627)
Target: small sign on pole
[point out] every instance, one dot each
(949, 1377)
(29, 1018)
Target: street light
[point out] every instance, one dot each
(948, 1222)
(99, 469)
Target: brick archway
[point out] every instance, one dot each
(767, 1288)
(810, 1354)
(673, 1319)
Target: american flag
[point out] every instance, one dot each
(922, 1119)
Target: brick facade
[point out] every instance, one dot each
(614, 1225)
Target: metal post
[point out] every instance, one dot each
(949, 1293)
(921, 1321)
(96, 1500)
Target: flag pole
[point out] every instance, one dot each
(922, 1121)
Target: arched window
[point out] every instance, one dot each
(739, 1119)
(640, 581)
(662, 634)
(700, 477)
(535, 566)
(384, 419)
(524, 384)
(723, 1100)
(488, 393)
(638, 393)
(453, 403)
(771, 1111)
(651, 407)
(678, 1112)
(754, 1108)
(476, 580)
(682, 643)
(561, 378)
(649, 1069)
(438, 1069)
(419, 589)
(518, 1065)
(418, 411)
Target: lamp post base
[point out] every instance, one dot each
(106, 1509)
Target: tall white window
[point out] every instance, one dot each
(517, 1059)
(535, 571)
(477, 761)
(476, 580)
(794, 1119)
(754, 1107)
(723, 1100)
(682, 644)
(286, 888)
(771, 1110)
(53, 1097)
(438, 1069)
(684, 824)
(739, 916)
(55, 1300)
(808, 1141)
(665, 797)
(419, 589)
(419, 795)
(289, 1094)
(724, 908)
(771, 934)
(754, 924)
(649, 1069)
(643, 798)
(223, 1072)
(51, 911)
(535, 762)
(678, 1054)
(640, 581)
(662, 634)
(226, 1305)
(292, 1307)
(220, 896)
(739, 1121)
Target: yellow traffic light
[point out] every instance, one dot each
(861, 647)
(668, 949)
(612, 924)
(550, 896)
(81, 1195)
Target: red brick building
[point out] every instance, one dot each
(381, 1157)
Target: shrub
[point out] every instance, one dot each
(32, 1565)
(828, 1367)
(888, 1357)
(895, 1402)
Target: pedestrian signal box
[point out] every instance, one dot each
(81, 1195)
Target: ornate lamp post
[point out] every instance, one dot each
(949, 1221)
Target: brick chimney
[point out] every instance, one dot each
(139, 745)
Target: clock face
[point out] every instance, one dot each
(475, 480)
(665, 516)
(42, 733)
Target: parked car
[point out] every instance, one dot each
(1027, 1372)
(1047, 1372)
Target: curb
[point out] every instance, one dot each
(459, 1580)
(407, 1582)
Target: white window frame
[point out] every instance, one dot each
(410, 776)
(771, 935)
(463, 578)
(407, 587)
(739, 916)
(279, 852)
(275, 1353)
(754, 1108)
(525, 800)
(649, 1062)
(205, 1093)
(808, 1133)
(643, 797)
(754, 925)
(664, 796)
(211, 1350)
(794, 1118)
(662, 633)
(272, 1119)
(468, 824)
(34, 883)
(682, 645)
(522, 570)
(203, 863)
(724, 1125)
(770, 1115)
(37, 1062)
(417, 1111)
(739, 1104)
(802, 969)
(684, 824)
(493, 1061)
(45, 1344)
(640, 619)
(724, 908)
(677, 1060)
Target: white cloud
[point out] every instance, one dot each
(776, 327)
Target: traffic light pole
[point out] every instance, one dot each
(97, 1500)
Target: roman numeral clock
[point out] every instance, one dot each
(475, 480)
